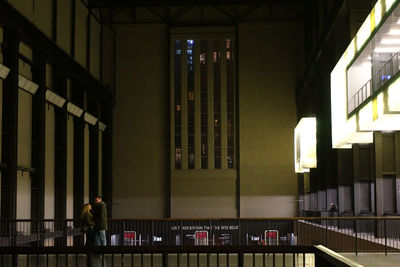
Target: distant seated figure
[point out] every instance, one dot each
(333, 207)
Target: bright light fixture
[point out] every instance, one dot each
(386, 49)
(89, 118)
(54, 98)
(74, 110)
(4, 71)
(305, 145)
(102, 126)
(27, 85)
(394, 32)
(390, 41)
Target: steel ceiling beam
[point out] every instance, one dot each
(150, 3)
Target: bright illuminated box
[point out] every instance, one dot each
(305, 145)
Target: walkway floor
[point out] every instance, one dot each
(375, 259)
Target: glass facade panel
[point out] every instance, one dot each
(377, 63)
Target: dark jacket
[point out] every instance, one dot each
(87, 221)
(100, 216)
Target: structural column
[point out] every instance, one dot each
(38, 135)
(345, 181)
(10, 125)
(93, 151)
(397, 168)
(79, 125)
(107, 185)
(379, 204)
(60, 86)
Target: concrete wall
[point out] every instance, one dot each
(203, 193)
(141, 123)
(270, 60)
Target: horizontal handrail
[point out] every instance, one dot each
(158, 249)
(334, 258)
(215, 219)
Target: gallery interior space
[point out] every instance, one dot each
(202, 123)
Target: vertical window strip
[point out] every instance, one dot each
(217, 104)
(204, 104)
(230, 104)
(210, 50)
(190, 103)
(178, 104)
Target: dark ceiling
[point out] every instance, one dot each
(198, 12)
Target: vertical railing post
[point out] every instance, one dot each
(384, 228)
(240, 259)
(355, 230)
(240, 233)
(89, 259)
(13, 233)
(152, 233)
(15, 259)
(326, 233)
(164, 259)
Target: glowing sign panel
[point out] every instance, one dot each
(305, 145)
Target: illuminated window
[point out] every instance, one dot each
(190, 104)
(230, 107)
(217, 107)
(204, 104)
(191, 96)
(228, 43)
(203, 58)
(208, 66)
(177, 100)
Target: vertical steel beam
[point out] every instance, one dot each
(60, 86)
(73, 17)
(10, 125)
(93, 150)
(54, 22)
(79, 125)
(108, 159)
(88, 33)
(236, 126)
(60, 160)
(38, 135)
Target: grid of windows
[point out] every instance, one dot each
(211, 71)
(178, 104)
(230, 104)
(217, 104)
(190, 102)
(204, 104)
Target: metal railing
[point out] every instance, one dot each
(343, 234)
(381, 77)
(178, 256)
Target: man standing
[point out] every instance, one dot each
(100, 221)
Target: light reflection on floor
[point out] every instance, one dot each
(374, 259)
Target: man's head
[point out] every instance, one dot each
(97, 199)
